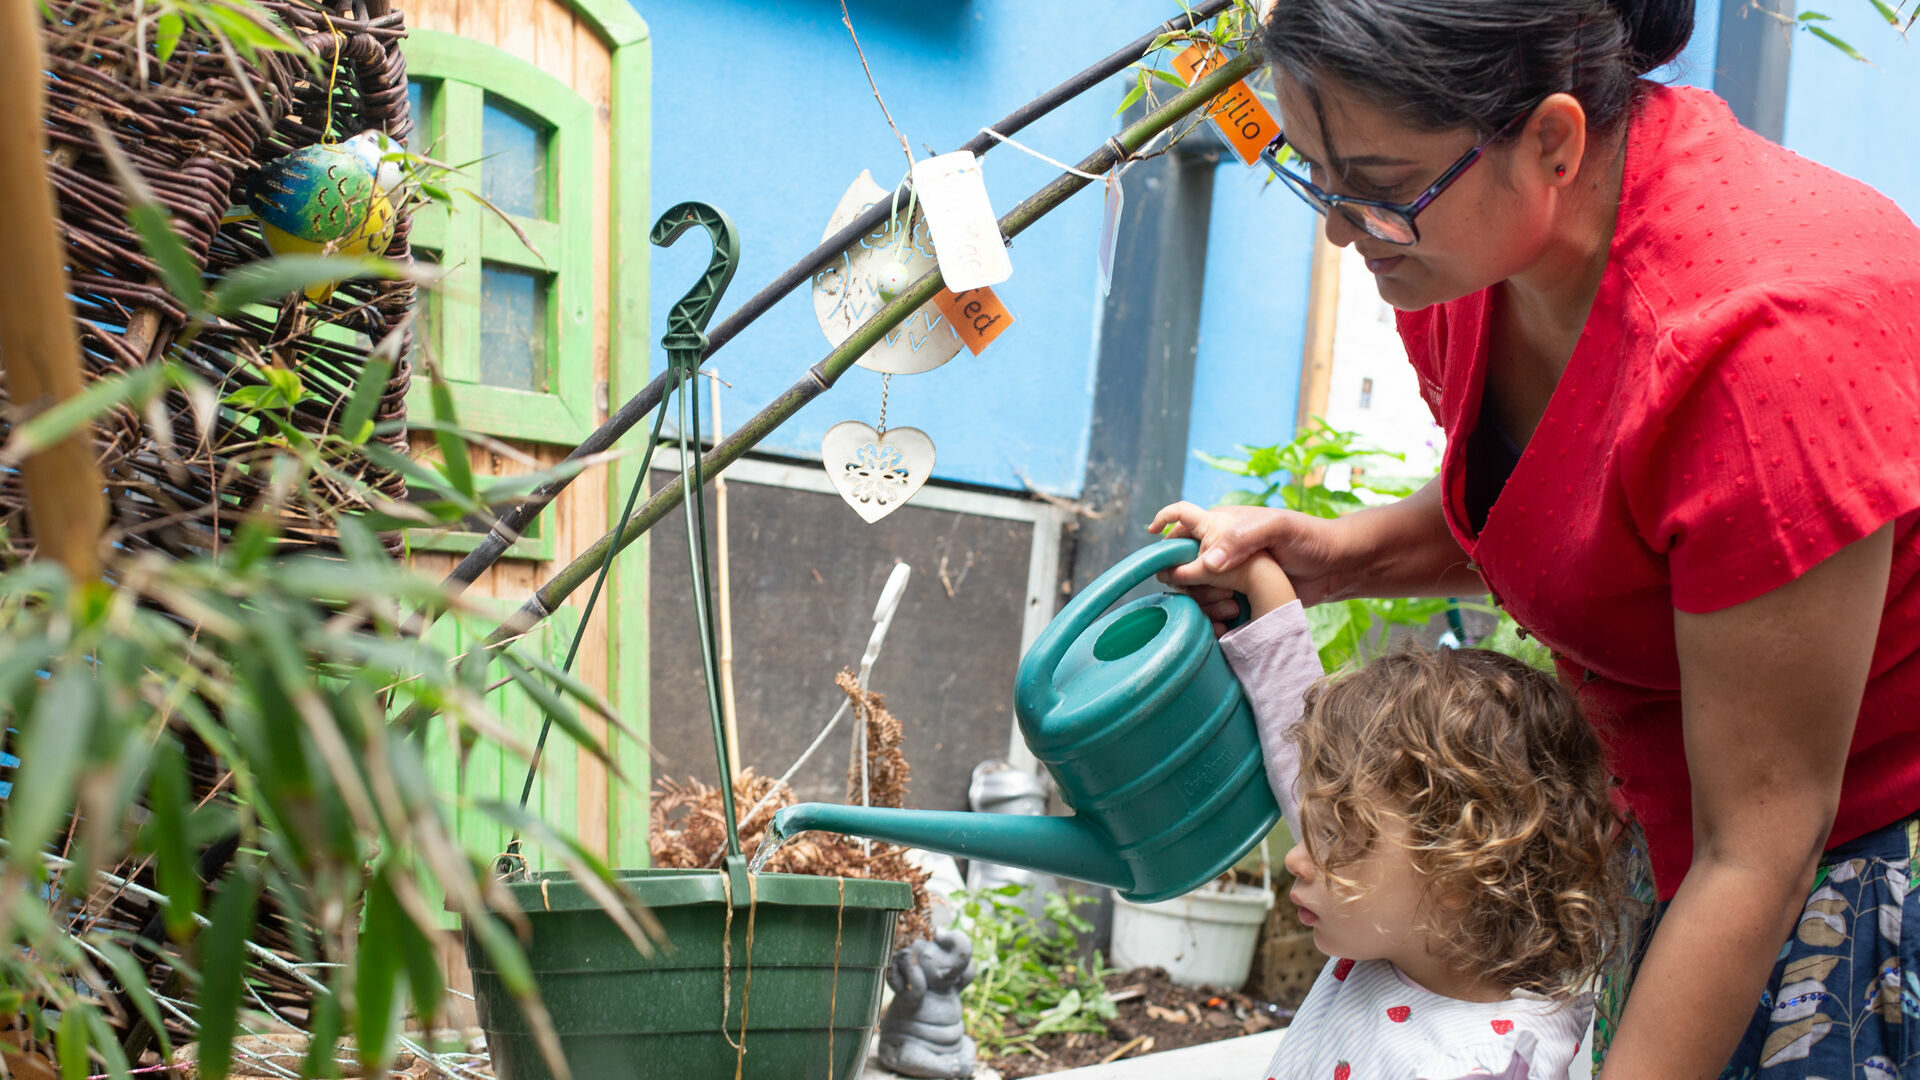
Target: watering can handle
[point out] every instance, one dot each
(1051, 646)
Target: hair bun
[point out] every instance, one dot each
(1656, 29)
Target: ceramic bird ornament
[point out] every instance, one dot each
(338, 194)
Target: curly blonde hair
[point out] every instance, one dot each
(1505, 797)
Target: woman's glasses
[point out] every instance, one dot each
(1389, 221)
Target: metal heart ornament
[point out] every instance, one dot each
(876, 473)
(851, 288)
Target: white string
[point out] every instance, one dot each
(1038, 154)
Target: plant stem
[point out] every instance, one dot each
(66, 500)
(824, 374)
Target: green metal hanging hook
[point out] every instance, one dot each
(687, 323)
(684, 341)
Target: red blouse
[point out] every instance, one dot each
(1744, 402)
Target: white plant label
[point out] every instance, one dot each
(966, 234)
(876, 473)
(1110, 230)
(851, 288)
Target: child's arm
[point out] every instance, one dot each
(1272, 655)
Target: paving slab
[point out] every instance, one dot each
(1244, 1058)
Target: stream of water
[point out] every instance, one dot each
(770, 844)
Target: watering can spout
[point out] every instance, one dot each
(1063, 846)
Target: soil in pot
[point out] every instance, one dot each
(1152, 1008)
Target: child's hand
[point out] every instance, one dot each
(1259, 577)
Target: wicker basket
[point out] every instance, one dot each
(193, 128)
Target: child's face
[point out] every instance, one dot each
(1383, 919)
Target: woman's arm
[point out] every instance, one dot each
(1770, 690)
(1402, 549)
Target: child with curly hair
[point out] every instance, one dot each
(1455, 846)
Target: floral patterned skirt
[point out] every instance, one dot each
(1844, 997)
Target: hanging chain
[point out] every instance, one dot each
(885, 380)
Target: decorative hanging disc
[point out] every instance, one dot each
(860, 281)
(876, 473)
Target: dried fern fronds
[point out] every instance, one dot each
(688, 827)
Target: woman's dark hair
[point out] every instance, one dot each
(1444, 64)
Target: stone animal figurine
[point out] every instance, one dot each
(922, 1033)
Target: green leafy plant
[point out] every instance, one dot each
(210, 738)
(1029, 977)
(1232, 29)
(1894, 15)
(281, 673)
(1350, 632)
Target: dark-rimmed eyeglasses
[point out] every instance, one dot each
(1389, 221)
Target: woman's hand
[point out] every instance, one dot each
(1309, 549)
(1257, 576)
(1402, 549)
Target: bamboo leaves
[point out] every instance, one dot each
(168, 800)
(376, 979)
(356, 423)
(283, 677)
(1810, 22)
(55, 740)
(222, 970)
(1892, 14)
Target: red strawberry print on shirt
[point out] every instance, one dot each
(1342, 969)
(1399, 1013)
(1501, 1027)
(1342, 1071)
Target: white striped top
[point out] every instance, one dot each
(1366, 1021)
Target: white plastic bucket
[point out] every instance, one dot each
(1205, 938)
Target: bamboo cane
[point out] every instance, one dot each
(725, 573)
(66, 500)
(824, 374)
(515, 520)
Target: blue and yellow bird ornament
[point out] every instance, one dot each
(328, 195)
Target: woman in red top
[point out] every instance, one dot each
(1679, 372)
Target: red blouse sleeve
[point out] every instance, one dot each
(1782, 424)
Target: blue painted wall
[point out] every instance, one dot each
(760, 107)
(1854, 117)
(1253, 323)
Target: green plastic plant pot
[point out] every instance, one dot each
(624, 1016)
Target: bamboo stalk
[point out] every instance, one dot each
(824, 374)
(1323, 302)
(725, 572)
(66, 500)
(515, 520)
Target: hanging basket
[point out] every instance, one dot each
(798, 984)
(194, 127)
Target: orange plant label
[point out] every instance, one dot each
(977, 316)
(1246, 124)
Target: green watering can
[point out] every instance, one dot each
(1148, 736)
